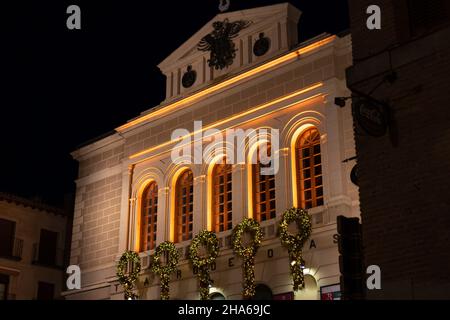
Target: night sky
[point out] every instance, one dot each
(61, 88)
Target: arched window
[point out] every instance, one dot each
(149, 215)
(222, 198)
(184, 207)
(263, 189)
(309, 170)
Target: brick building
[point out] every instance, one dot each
(32, 249)
(130, 191)
(404, 174)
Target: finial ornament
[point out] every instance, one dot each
(224, 5)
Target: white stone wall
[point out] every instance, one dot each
(108, 195)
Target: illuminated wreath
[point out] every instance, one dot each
(211, 243)
(128, 280)
(251, 226)
(209, 240)
(164, 271)
(247, 253)
(295, 243)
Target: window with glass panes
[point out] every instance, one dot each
(184, 207)
(309, 169)
(222, 197)
(149, 217)
(263, 189)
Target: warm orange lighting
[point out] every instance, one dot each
(138, 215)
(290, 56)
(173, 203)
(236, 116)
(209, 190)
(251, 151)
(294, 162)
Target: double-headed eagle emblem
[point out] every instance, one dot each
(220, 42)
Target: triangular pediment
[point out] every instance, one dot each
(278, 23)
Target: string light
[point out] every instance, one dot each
(295, 243)
(247, 253)
(209, 240)
(164, 271)
(128, 280)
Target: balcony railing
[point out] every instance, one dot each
(48, 257)
(11, 248)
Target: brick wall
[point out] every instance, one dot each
(24, 274)
(105, 160)
(96, 223)
(404, 186)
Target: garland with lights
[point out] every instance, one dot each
(247, 253)
(128, 280)
(164, 271)
(209, 240)
(295, 243)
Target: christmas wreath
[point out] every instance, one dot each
(247, 253)
(295, 242)
(164, 271)
(209, 240)
(127, 280)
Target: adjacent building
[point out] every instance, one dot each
(32, 243)
(243, 70)
(400, 78)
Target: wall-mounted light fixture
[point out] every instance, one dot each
(372, 116)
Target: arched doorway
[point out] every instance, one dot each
(263, 292)
(310, 292)
(217, 296)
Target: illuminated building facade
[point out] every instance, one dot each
(132, 196)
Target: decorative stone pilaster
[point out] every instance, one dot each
(283, 190)
(200, 204)
(125, 241)
(239, 185)
(163, 233)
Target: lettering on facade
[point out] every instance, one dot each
(270, 255)
(335, 239)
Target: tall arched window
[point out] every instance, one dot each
(184, 207)
(309, 170)
(222, 197)
(263, 189)
(149, 216)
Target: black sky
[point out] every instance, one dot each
(60, 88)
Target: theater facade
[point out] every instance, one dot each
(243, 70)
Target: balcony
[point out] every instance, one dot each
(48, 256)
(11, 248)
